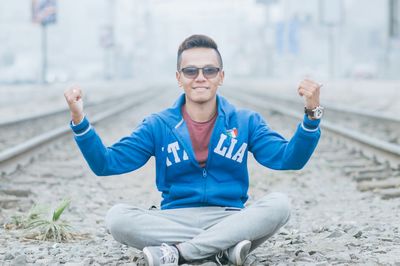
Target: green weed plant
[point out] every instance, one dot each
(37, 227)
(53, 229)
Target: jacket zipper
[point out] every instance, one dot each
(205, 169)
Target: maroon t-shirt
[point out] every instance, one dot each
(200, 134)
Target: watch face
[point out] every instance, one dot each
(318, 113)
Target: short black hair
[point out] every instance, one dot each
(197, 41)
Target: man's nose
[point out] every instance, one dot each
(200, 76)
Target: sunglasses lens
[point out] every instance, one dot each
(193, 72)
(210, 72)
(190, 72)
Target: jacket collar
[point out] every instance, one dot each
(173, 116)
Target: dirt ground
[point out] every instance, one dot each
(332, 222)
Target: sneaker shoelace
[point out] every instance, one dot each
(168, 254)
(219, 256)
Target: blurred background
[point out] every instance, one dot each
(60, 41)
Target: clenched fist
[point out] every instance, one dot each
(310, 91)
(73, 96)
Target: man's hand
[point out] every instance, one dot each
(310, 91)
(74, 95)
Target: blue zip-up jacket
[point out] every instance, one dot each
(183, 183)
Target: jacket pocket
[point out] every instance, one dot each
(229, 173)
(185, 191)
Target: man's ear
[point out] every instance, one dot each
(222, 78)
(178, 76)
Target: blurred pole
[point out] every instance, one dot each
(44, 54)
(268, 58)
(269, 36)
(331, 16)
(108, 41)
(393, 33)
(332, 48)
(44, 12)
(136, 13)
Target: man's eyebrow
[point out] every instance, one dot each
(207, 65)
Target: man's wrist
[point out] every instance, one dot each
(77, 119)
(315, 113)
(82, 128)
(310, 124)
(311, 118)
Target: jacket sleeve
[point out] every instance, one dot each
(274, 151)
(128, 154)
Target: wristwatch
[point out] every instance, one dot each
(315, 113)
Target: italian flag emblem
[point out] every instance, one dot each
(232, 132)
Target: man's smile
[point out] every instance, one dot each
(201, 88)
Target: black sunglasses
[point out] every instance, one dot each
(193, 72)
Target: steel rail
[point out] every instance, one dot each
(388, 148)
(41, 139)
(331, 107)
(58, 111)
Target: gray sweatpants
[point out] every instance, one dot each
(202, 231)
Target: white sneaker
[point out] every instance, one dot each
(236, 255)
(163, 255)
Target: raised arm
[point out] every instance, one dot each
(126, 155)
(274, 151)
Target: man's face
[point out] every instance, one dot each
(200, 89)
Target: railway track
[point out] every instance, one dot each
(373, 162)
(21, 137)
(371, 150)
(386, 129)
(330, 218)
